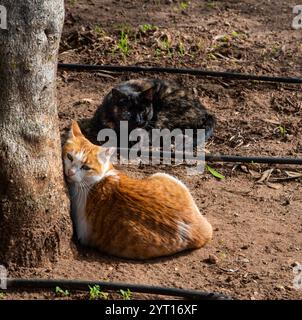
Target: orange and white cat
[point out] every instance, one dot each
(126, 217)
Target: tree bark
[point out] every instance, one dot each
(35, 226)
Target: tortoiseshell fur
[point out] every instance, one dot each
(152, 103)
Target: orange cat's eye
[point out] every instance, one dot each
(84, 167)
(69, 156)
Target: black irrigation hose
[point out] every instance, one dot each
(253, 159)
(112, 286)
(195, 72)
(220, 158)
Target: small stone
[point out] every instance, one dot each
(245, 260)
(289, 288)
(245, 247)
(279, 288)
(212, 259)
(244, 169)
(87, 100)
(295, 264)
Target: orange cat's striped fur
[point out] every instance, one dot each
(127, 217)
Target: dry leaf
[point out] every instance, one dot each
(284, 179)
(254, 174)
(266, 175)
(293, 174)
(272, 121)
(275, 186)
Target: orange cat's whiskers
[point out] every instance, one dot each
(81, 193)
(79, 188)
(85, 185)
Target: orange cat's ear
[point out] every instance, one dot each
(75, 130)
(106, 153)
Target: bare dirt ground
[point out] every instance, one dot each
(257, 226)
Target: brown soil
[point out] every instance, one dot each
(258, 226)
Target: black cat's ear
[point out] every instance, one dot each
(117, 94)
(147, 95)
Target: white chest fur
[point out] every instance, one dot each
(78, 206)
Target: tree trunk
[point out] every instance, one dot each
(35, 226)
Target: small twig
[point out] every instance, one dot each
(228, 270)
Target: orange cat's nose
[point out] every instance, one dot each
(71, 172)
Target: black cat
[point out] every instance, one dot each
(152, 104)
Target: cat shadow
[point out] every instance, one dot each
(92, 255)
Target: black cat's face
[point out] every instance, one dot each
(134, 107)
